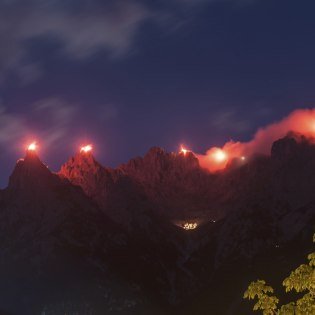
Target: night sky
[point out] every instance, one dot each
(129, 75)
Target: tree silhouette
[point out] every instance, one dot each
(301, 280)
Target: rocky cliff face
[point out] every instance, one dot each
(68, 240)
(265, 189)
(174, 182)
(266, 194)
(31, 173)
(172, 185)
(84, 171)
(107, 236)
(175, 186)
(117, 194)
(56, 243)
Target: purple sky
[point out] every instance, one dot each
(128, 75)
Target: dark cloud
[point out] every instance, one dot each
(236, 120)
(82, 28)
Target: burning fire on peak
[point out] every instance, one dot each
(86, 148)
(32, 147)
(183, 150)
(301, 121)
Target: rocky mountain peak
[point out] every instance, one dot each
(81, 163)
(156, 154)
(30, 172)
(293, 145)
(157, 161)
(84, 171)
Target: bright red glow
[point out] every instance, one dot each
(32, 146)
(300, 121)
(86, 148)
(215, 159)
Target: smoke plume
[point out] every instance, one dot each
(301, 121)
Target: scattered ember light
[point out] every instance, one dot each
(243, 158)
(32, 147)
(86, 149)
(190, 226)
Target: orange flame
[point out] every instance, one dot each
(32, 146)
(183, 150)
(86, 148)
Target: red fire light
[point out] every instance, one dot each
(219, 156)
(86, 148)
(183, 150)
(32, 147)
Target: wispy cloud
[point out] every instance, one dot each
(56, 116)
(229, 120)
(81, 27)
(237, 120)
(47, 119)
(11, 127)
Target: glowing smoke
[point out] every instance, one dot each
(301, 121)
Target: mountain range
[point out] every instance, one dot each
(157, 235)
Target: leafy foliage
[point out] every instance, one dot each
(301, 280)
(259, 290)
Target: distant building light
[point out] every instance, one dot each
(189, 226)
